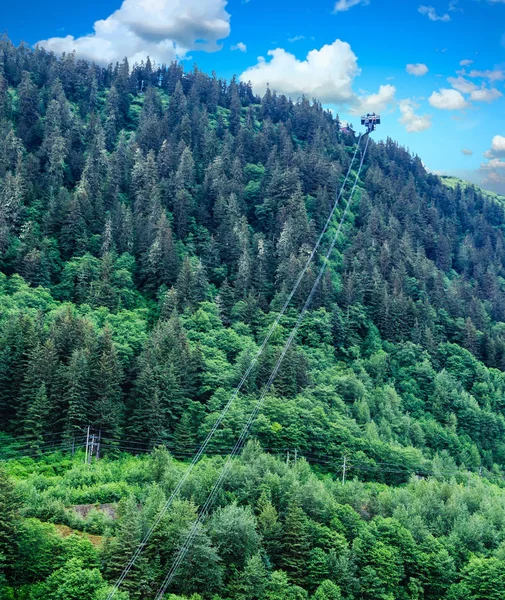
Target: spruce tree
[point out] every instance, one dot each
(118, 550)
(36, 420)
(39, 410)
(107, 392)
(28, 111)
(184, 438)
(296, 543)
(17, 339)
(77, 394)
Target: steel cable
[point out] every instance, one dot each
(236, 391)
(245, 431)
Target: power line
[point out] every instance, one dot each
(352, 465)
(371, 465)
(245, 431)
(236, 391)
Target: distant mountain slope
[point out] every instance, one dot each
(453, 182)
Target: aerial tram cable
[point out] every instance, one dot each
(236, 391)
(181, 554)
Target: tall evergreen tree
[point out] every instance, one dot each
(296, 543)
(107, 392)
(36, 421)
(77, 394)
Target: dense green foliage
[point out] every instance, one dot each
(278, 531)
(152, 223)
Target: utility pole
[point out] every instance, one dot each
(343, 470)
(98, 444)
(92, 445)
(87, 442)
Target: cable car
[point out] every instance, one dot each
(370, 120)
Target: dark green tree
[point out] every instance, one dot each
(296, 543)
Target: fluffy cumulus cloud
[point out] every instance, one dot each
(465, 62)
(163, 29)
(497, 148)
(477, 93)
(494, 169)
(498, 144)
(485, 95)
(326, 74)
(467, 152)
(462, 85)
(375, 102)
(240, 46)
(413, 123)
(417, 69)
(494, 163)
(343, 5)
(447, 99)
(432, 15)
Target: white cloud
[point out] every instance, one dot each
(477, 94)
(326, 74)
(494, 163)
(462, 85)
(498, 144)
(447, 99)
(497, 147)
(375, 102)
(467, 152)
(417, 69)
(240, 46)
(413, 123)
(343, 5)
(466, 62)
(163, 29)
(432, 15)
(296, 38)
(495, 182)
(491, 74)
(485, 95)
(493, 170)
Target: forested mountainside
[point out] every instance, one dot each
(152, 224)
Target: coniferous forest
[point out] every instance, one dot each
(153, 220)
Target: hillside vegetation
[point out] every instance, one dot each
(152, 224)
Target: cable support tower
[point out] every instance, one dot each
(236, 391)
(181, 554)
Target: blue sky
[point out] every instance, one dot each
(340, 51)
